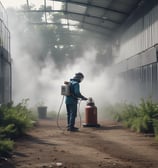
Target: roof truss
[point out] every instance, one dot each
(101, 16)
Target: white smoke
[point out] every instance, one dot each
(42, 84)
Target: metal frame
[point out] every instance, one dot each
(106, 24)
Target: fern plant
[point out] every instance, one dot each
(139, 118)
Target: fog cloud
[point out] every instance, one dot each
(40, 80)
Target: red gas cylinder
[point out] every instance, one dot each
(90, 114)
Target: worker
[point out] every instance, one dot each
(72, 100)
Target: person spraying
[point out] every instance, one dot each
(71, 100)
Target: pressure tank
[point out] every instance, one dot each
(90, 114)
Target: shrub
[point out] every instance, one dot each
(15, 119)
(6, 146)
(14, 122)
(139, 118)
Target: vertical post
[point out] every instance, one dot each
(45, 9)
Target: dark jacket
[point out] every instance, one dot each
(75, 92)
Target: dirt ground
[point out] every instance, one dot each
(110, 146)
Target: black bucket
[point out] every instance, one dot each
(42, 112)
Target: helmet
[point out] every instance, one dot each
(79, 76)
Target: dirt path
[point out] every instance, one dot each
(109, 146)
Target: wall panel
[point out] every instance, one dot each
(5, 59)
(142, 35)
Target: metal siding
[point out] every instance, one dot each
(1, 81)
(0, 32)
(145, 58)
(140, 36)
(7, 82)
(148, 57)
(134, 62)
(5, 59)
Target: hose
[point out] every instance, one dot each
(58, 115)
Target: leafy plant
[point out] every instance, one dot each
(8, 131)
(15, 120)
(139, 118)
(6, 146)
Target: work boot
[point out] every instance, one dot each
(76, 128)
(73, 129)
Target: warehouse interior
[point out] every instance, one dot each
(131, 27)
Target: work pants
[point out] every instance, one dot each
(71, 114)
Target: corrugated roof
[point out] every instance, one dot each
(100, 16)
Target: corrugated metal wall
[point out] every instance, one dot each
(140, 36)
(137, 58)
(140, 83)
(5, 59)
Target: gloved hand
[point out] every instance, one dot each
(84, 98)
